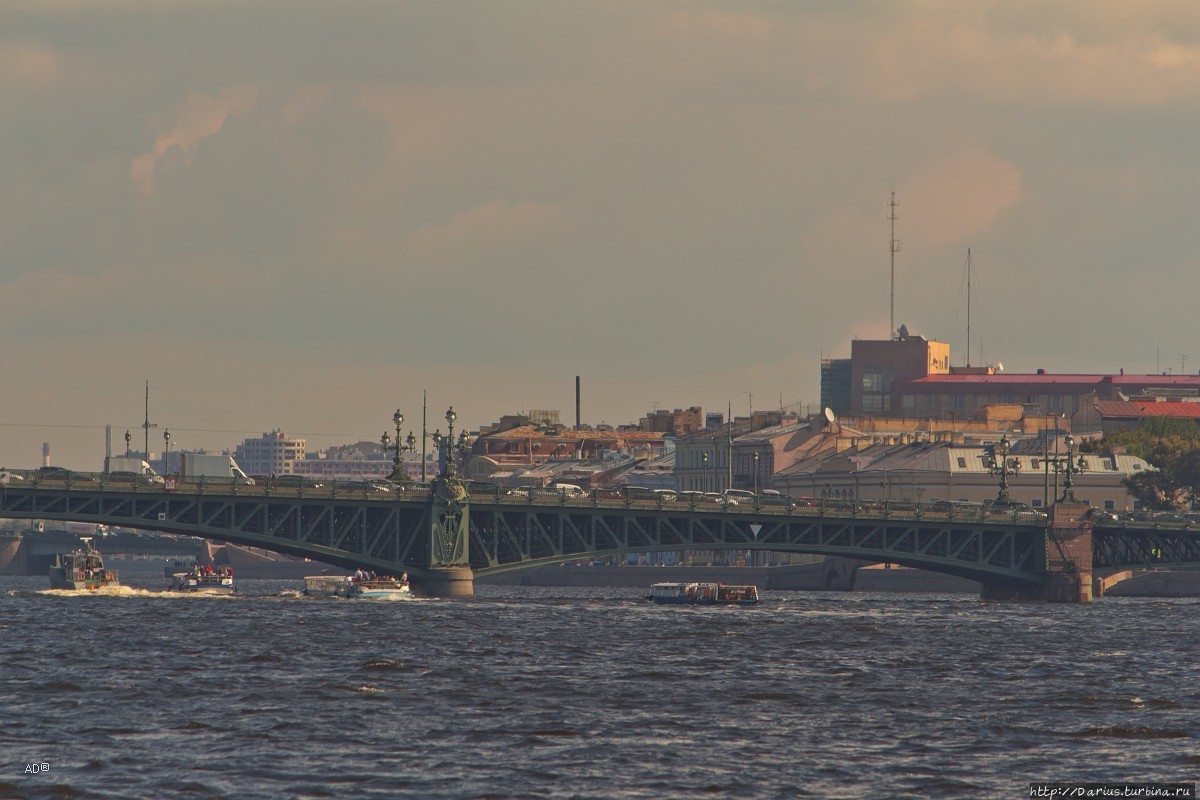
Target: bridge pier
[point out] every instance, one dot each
(1068, 562)
(14, 558)
(448, 582)
(1057, 588)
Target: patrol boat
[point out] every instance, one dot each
(81, 570)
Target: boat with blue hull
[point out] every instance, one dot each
(204, 580)
(352, 587)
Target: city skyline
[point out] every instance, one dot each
(302, 216)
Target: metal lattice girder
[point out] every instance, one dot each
(507, 536)
(1117, 548)
(388, 534)
(391, 533)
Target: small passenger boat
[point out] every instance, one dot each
(204, 580)
(352, 586)
(81, 569)
(703, 594)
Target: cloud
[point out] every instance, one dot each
(477, 231)
(26, 65)
(198, 119)
(960, 52)
(960, 196)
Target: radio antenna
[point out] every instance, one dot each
(893, 248)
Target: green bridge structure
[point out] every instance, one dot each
(447, 532)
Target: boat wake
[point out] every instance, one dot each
(103, 591)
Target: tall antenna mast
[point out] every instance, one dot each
(147, 425)
(893, 248)
(969, 308)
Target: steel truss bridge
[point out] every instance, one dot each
(400, 533)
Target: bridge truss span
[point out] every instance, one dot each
(346, 532)
(506, 538)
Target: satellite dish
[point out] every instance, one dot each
(903, 331)
(999, 366)
(829, 415)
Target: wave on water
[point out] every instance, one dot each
(104, 591)
(129, 591)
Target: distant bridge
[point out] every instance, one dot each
(430, 529)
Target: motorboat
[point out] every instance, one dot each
(352, 587)
(81, 569)
(703, 594)
(204, 580)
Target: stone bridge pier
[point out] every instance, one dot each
(1068, 576)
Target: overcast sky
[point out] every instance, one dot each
(299, 215)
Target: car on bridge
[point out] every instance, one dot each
(8, 476)
(43, 474)
(124, 477)
(286, 482)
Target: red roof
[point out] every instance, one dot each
(1134, 409)
(1012, 379)
(1156, 380)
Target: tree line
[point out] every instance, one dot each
(1172, 446)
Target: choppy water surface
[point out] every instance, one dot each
(543, 692)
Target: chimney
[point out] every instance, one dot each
(45, 454)
(576, 402)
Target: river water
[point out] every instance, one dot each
(586, 693)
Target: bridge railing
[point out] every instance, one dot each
(379, 490)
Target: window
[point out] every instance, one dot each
(1110, 505)
(962, 462)
(1037, 502)
(1036, 463)
(872, 403)
(877, 379)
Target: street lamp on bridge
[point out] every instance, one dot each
(1071, 468)
(704, 458)
(166, 451)
(445, 445)
(998, 465)
(128, 438)
(399, 447)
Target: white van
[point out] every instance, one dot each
(569, 489)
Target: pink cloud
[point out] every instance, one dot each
(27, 65)
(198, 119)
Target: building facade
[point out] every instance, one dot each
(911, 377)
(274, 453)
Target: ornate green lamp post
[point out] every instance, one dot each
(398, 448)
(1071, 468)
(998, 465)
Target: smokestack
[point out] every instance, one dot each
(107, 443)
(45, 454)
(577, 402)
